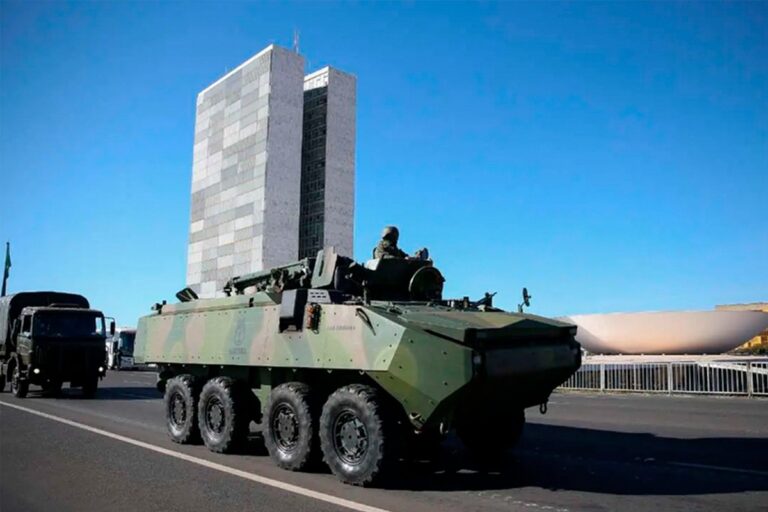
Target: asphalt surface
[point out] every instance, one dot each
(590, 452)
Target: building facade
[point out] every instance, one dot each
(758, 344)
(273, 168)
(246, 170)
(328, 163)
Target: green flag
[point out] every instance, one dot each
(7, 270)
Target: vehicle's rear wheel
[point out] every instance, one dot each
(223, 415)
(358, 438)
(2, 383)
(19, 385)
(490, 435)
(290, 426)
(180, 402)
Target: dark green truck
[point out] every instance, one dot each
(48, 338)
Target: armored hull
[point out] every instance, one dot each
(426, 364)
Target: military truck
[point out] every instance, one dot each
(48, 338)
(350, 364)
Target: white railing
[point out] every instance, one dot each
(704, 376)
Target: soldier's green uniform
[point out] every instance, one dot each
(387, 246)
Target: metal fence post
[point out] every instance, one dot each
(670, 378)
(602, 377)
(750, 383)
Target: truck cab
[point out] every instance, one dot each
(48, 343)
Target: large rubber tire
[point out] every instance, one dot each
(223, 415)
(358, 435)
(180, 402)
(90, 385)
(290, 427)
(490, 436)
(2, 382)
(19, 386)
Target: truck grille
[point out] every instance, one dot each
(67, 358)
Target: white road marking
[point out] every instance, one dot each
(718, 468)
(341, 502)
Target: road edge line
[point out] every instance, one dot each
(285, 486)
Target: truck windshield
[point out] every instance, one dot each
(126, 342)
(68, 324)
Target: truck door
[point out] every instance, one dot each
(24, 339)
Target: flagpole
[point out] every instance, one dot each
(6, 267)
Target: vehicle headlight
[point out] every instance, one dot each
(477, 362)
(101, 369)
(36, 371)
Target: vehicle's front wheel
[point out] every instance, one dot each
(180, 403)
(19, 385)
(223, 415)
(290, 426)
(90, 385)
(52, 388)
(2, 383)
(358, 437)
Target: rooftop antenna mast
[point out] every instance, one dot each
(296, 40)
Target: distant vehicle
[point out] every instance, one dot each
(351, 363)
(120, 349)
(48, 338)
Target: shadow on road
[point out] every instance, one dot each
(600, 461)
(105, 393)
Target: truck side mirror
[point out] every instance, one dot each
(112, 328)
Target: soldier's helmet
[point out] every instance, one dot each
(390, 233)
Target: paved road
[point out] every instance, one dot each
(590, 452)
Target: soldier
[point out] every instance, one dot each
(387, 246)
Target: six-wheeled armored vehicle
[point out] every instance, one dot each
(48, 338)
(347, 363)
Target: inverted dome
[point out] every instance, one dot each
(682, 332)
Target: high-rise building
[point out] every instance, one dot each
(246, 170)
(249, 165)
(328, 162)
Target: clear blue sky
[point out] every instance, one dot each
(611, 157)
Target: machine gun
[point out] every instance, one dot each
(277, 279)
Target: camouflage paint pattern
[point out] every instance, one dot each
(416, 352)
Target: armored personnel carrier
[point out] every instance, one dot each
(347, 363)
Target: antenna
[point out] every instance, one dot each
(296, 40)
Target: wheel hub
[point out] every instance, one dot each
(178, 411)
(285, 426)
(215, 415)
(15, 379)
(350, 437)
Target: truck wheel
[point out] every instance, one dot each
(52, 388)
(223, 415)
(180, 402)
(90, 385)
(2, 382)
(490, 437)
(19, 385)
(358, 438)
(290, 427)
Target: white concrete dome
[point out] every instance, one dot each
(667, 332)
